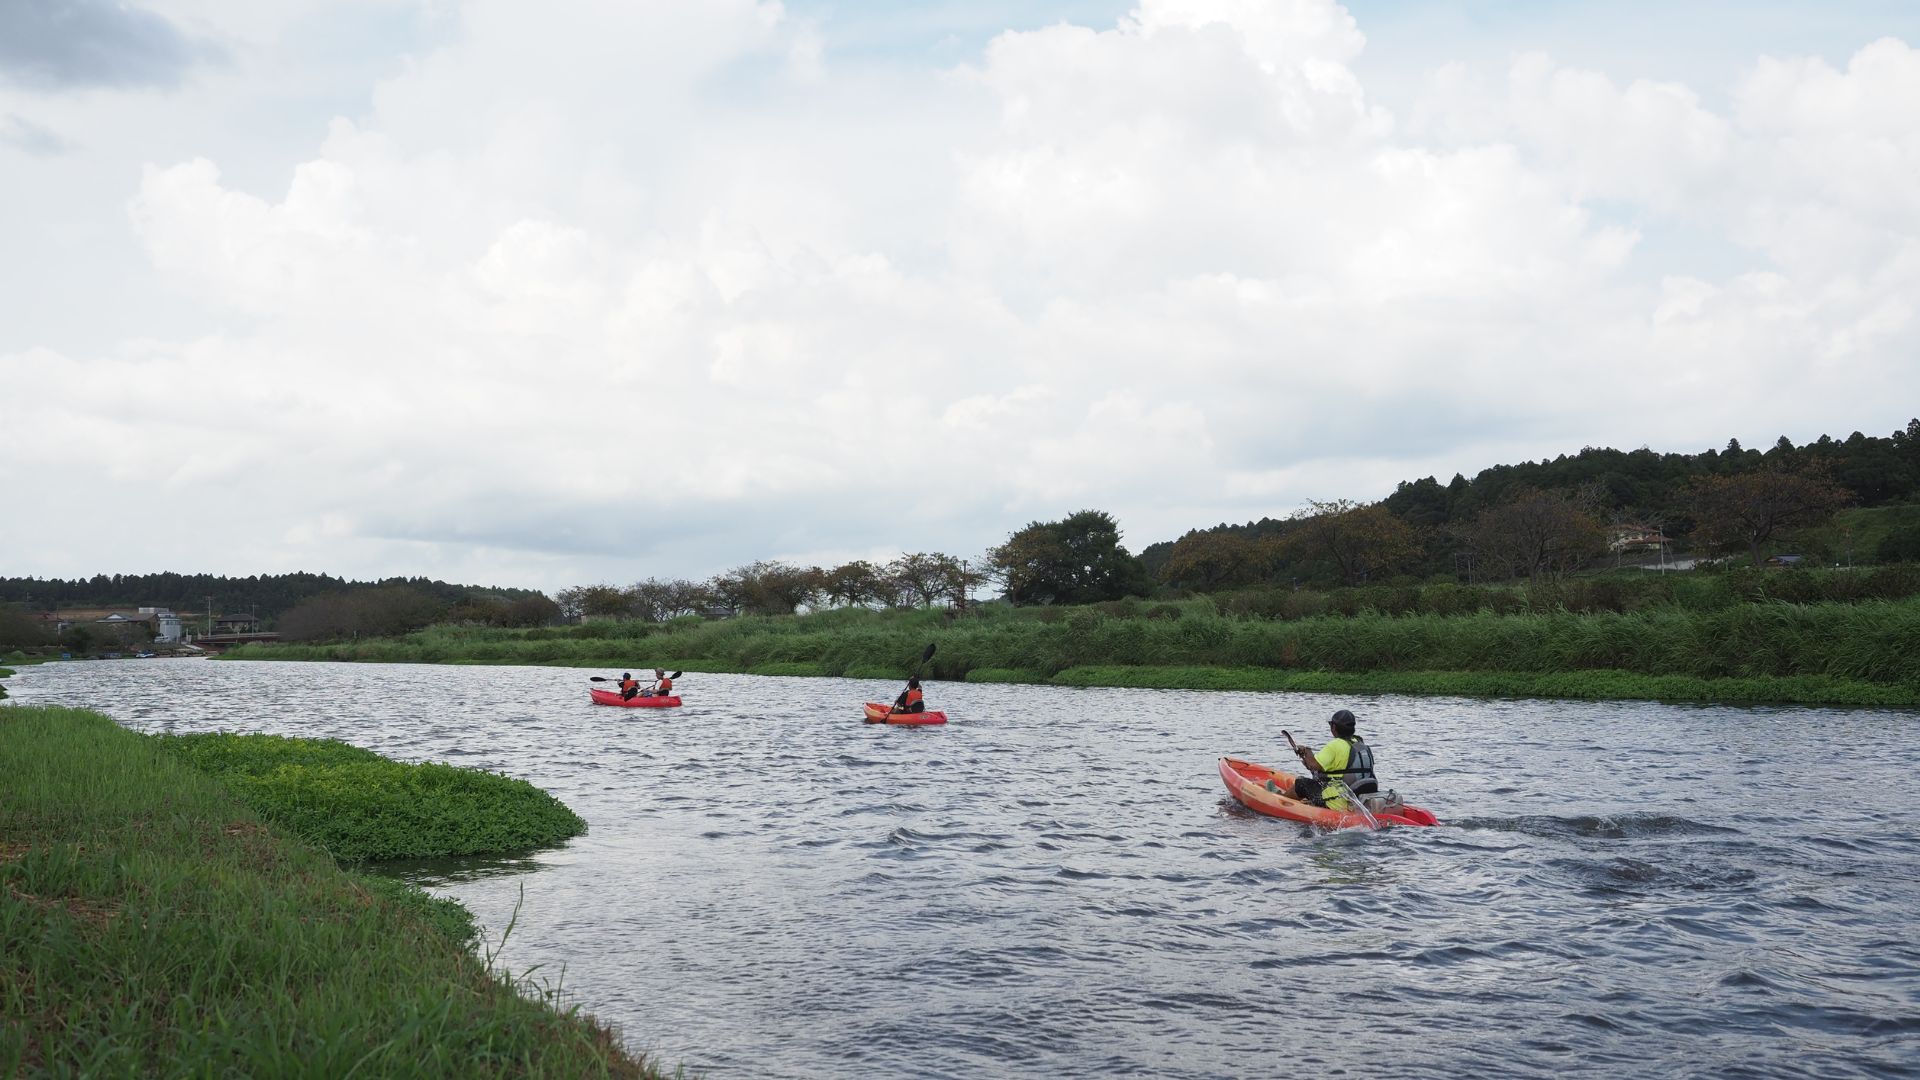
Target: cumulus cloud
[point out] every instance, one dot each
(620, 289)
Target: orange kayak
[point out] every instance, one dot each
(1247, 783)
(612, 697)
(884, 714)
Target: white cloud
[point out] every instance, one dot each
(621, 289)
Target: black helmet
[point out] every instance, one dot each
(1343, 724)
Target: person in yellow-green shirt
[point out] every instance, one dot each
(1346, 757)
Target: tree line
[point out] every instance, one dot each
(1546, 518)
(264, 595)
(1525, 521)
(1078, 559)
(301, 606)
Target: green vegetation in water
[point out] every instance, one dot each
(359, 805)
(1844, 653)
(152, 925)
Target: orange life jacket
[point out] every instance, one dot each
(666, 688)
(629, 684)
(914, 697)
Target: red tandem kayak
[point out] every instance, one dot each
(882, 714)
(612, 697)
(1247, 783)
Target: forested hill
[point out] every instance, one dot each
(1633, 484)
(266, 595)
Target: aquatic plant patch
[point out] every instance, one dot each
(358, 805)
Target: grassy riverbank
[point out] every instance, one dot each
(152, 924)
(1843, 653)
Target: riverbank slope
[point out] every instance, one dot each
(151, 924)
(1826, 653)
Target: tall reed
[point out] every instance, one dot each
(1866, 642)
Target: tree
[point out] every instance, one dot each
(922, 578)
(20, 630)
(594, 602)
(769, 587)
(855, 583)
(1212, 560)
(1360, 540)
(959, 580)
(1751, 509)
(1076, 560)
(1533, 533)
(654, 600)
(383, 612)
(78, 638)
(530, 611)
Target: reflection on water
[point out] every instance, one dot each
(439, 873)
(1055, 885)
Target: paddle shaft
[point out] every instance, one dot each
(925, 656)
(1299, 753)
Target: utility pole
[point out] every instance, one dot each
(209, 615)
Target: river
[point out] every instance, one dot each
(1056, 885)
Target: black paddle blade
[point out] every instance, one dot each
(928, 655)
(676, 674)
(600, 678)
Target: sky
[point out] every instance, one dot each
(561, 294)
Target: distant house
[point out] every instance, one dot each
(236, 624)
(1786, 560)
(166, 624)
(1627, 538)
(154, 623)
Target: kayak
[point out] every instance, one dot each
(883, 714)
(612, 697)
(1247, 783)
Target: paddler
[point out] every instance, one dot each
(1346, 757)
(662, 687)
(911, 700)
(629, 686)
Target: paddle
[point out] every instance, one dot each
(1312, 765)
(894, 710)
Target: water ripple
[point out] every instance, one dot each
(1055, 885)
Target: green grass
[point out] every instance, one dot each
(359, 805)
(1581, 685)
(1850, 653)
(151, 924)
(1015, 675)
(1857, 533)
